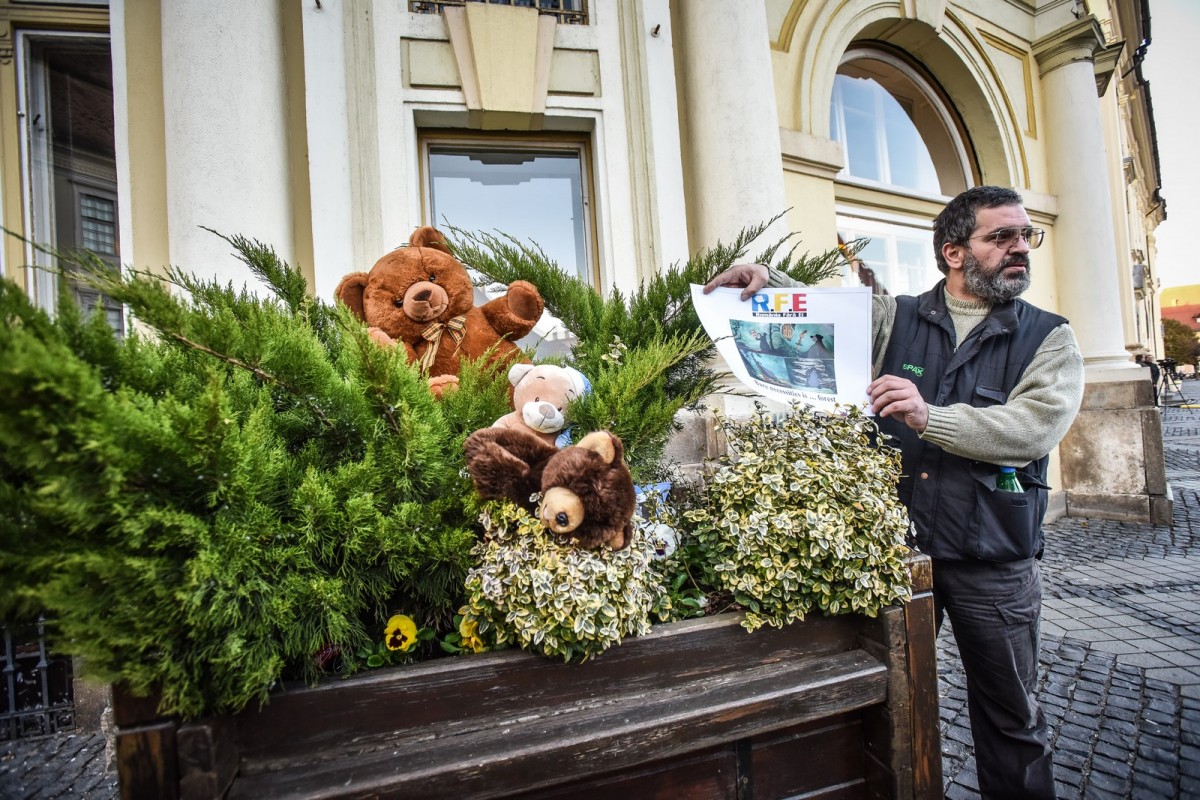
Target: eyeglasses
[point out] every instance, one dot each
(1005, 238)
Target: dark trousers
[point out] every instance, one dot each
(995, 612)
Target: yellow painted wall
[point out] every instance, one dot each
(1180, 296)
(144, 199)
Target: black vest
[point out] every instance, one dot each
(953, 501)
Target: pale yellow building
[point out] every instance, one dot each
(622, 135)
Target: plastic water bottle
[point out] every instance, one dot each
(1006, 480)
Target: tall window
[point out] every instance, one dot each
(69, 171)
(903, 140)
(534, 191)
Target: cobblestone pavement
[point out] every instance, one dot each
(1120, 664)
(1120, 667)
(61, 766)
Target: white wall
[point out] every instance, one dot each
(226, 143)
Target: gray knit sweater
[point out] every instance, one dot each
(1039, 409)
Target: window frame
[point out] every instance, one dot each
(882, 212)
(430, 140)
(955, 132)
(40, 215)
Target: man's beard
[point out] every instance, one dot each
(993, 287)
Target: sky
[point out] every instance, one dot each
(1172, 67)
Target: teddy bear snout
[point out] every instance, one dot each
(544, 417)
(562, 510)
(425, 301)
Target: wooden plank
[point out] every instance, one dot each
(130, 709)
(584, 741)
(709, 775)
(904, 735)
(376, 709)
(207, 758)
(810, 760)
(888, 727)
(146, 762)
(920, 572)
(921, 651)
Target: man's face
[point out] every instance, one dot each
(991, 272)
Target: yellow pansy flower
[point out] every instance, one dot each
(468, 629)
(400, 633)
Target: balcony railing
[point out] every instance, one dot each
(567, 12)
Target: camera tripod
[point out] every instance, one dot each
(1169, 391)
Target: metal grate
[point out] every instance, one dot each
(567, 12)
(37, 697)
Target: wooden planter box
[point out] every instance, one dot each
(841, 707)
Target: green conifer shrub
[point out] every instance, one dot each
(205, 507)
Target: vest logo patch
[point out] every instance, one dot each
(918, 371)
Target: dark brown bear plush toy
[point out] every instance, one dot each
(586, 490)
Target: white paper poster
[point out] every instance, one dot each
(807, 344)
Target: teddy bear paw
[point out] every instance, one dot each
(441, 384)
(525, 301)
(381, 338)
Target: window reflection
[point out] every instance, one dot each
(898, 258)
(70, 176)
(881, 142)
(532, 196)
(895, 128)
(903, 144)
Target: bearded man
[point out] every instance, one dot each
(989, 381)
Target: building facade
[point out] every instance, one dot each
(621, 135)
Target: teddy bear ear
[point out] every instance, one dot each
(350, 292)
(579, 382)
(518, 371)
(429, 236)
(608, 446)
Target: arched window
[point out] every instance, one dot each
(904, 147)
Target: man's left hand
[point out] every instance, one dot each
(892, 396)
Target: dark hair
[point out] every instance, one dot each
(956, 223)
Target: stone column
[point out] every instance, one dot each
(731, 153)
(1112, 459)
(732, 160)
(1084, 243)
(225, 115)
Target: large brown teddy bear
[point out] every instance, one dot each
(586, 491)
(421, 298)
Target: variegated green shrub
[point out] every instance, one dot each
(532, 591)
(803, 514)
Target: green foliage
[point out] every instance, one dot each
(803, 515)
(250, 486)
(205, 508)
(1179, 342)
(551, 597)
(645, 351)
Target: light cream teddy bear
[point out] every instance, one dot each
(540, 396)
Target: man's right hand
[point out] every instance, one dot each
(751, 276)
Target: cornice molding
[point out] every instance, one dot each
(807, 154)
(1082, 40)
